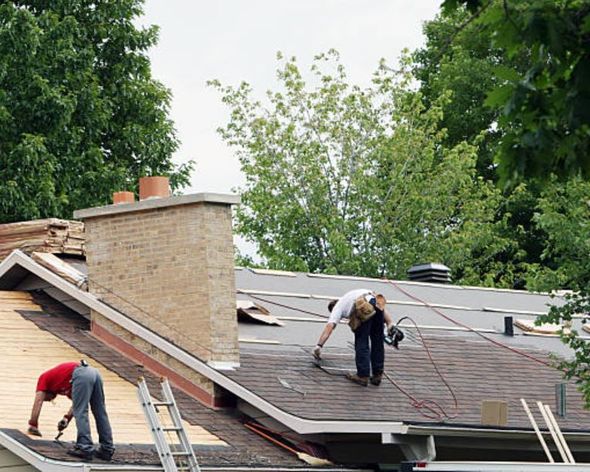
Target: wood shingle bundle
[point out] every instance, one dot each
(48, 235)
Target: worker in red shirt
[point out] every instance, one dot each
(83, 385)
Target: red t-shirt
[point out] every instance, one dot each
(58, 380)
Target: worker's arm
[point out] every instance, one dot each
(328, 329)
(388, 319)
(36, 411)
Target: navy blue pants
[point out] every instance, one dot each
(370, 357)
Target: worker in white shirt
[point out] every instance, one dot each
(366, 314)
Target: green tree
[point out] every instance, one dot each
(459, 59)
(80, 115)
(545, 110)
(355, 180)
(564, 213)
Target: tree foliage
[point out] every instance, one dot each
(356, 180)
(545, 121)
(459, 59)
(80, 115)
(545, 109)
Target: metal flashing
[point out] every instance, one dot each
(347, 277)
(427, 284)
(514, 312)
(273, 294)
(279, 273)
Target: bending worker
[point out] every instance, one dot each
(366, 315)
(83, 385)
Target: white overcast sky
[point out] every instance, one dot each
(235, 40)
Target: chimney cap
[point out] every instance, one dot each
(150, 204)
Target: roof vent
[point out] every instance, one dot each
(431, 272)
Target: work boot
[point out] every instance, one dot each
(80, 454)
(376, 379)
(364, 381)
(103, 455)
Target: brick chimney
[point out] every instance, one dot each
(168, 263)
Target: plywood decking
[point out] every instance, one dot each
(26, 351)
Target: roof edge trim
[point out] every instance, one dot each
(465, 431)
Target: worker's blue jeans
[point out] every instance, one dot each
(87, 390)
(373, 356)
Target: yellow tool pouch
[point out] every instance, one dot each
(361, 312)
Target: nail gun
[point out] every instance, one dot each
(394, 336)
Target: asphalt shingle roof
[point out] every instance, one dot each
(476, 371)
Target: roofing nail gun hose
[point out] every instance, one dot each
(469, 328)
(427, 404)
(437, 412)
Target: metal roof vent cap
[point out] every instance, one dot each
(430, 272)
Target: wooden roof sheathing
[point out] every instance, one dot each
(27, 351)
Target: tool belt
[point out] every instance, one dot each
(361, 312)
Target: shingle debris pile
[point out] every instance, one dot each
(48, 235)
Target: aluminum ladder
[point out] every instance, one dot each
(175, 457)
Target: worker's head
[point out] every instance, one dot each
(381, 301)
(331, 305)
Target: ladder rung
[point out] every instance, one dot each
(183, 457)
(162, 403)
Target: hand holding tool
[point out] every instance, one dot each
(317, 352)
(63, 423)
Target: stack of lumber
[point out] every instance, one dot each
(49, 235)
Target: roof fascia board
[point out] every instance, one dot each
(284, 469)
(466, 466)
(297, 424)
(464, 431)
